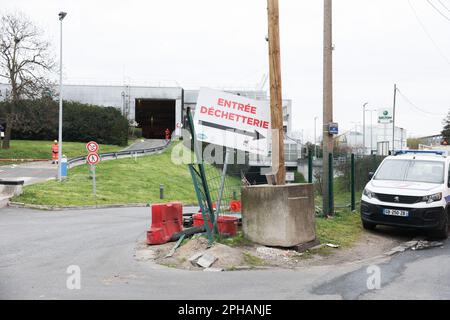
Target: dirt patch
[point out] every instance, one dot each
(250, 256)
(370, 245)
(227, 258)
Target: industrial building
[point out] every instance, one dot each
(378, 139)
(155, 109)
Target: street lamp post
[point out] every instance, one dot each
(364, 127)
(61, 16)
(315, 138)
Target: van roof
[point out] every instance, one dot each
(429, 155)
(422, 152)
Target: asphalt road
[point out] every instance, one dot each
(37, 247)
(31, 172)
(147, 144)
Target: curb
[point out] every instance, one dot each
(57, 208)
(13, 204)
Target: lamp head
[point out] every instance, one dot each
(61, 15)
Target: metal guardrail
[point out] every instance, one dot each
(119, 153)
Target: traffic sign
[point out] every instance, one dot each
(93, 158)
(92, 147)
(232, 121)
(333, 128)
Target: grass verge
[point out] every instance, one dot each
(120, 181)
(27, 149)
(342, 229)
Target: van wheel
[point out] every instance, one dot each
(442, 233)
(368, 225)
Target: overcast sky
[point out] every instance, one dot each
(222, 44)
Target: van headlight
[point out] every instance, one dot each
(369, 194)
(432, 198)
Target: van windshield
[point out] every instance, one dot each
(411, 170)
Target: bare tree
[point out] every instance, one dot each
(25, 60)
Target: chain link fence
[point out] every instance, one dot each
(343, 182)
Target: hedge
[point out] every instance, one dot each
(38, 120)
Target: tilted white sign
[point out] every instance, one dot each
(233, 121)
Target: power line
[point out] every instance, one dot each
(432, 114)
(441, 52)
(438, 10)
(442, 4)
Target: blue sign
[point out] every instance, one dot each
(333, 128)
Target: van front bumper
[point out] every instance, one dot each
(421, 218)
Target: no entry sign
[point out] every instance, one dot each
(92, 146)
(233, 121)
(92, 158)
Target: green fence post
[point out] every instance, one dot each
(352, 183)
(330, 185)
(310, 168)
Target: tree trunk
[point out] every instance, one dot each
(7, 139)
(9, 125)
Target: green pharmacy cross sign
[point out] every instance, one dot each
(385, 115)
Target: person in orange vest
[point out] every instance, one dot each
(55, 150)
(167, 134)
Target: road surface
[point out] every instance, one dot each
(37, 247)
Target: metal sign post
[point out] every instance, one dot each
(228, 153)
(92, 159)
(94, 187)
(228, 120)
(201, 184)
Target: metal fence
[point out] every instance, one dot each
(349, 175)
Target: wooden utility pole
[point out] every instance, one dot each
(276, 107)
(327, 106)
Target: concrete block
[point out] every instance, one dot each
(206, 260)
(193, 259)
(279, 215)
(11, 187)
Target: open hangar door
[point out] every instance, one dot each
(154, 116)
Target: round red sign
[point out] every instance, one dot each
(92, 146)
(93, 158)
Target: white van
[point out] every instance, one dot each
(410, 189)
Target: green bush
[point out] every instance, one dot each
(82, 122)
(33, 120)
(363, 165)
(38, 120)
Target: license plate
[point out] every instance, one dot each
(397, 213)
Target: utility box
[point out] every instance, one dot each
(64, 166)
(279, 215)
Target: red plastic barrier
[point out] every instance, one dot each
(226, 225)
(167, 219)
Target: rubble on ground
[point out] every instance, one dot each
(416, 244)
(206, 260)
(274, 253)
(423, 244)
